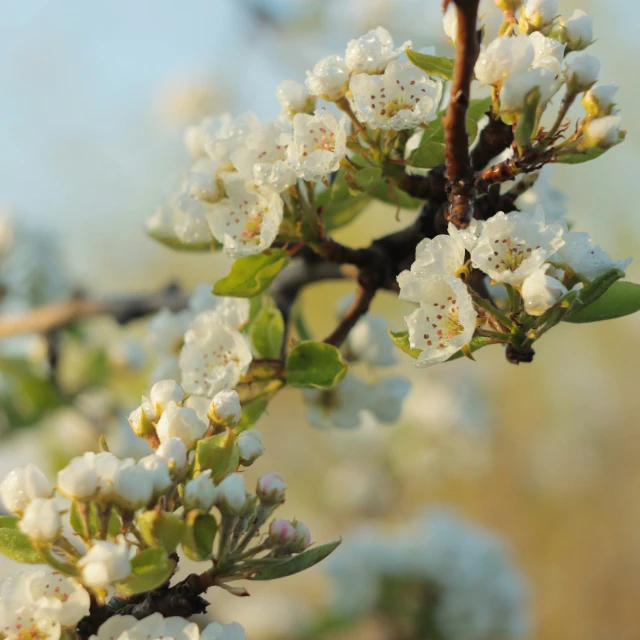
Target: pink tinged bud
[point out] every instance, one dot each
(271, 488)
(225, 408)
(281, 533)
(41, 520)
(22, 485)
(302, 538)
(251, 446)
(163, 393)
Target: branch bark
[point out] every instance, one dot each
(460, 174)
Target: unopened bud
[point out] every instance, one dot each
(41, 520)
(603, 132)
(200, 493)
(140, 423)
(225, 409)
(540, 292)
(231, 495)
(182, 423)
(163, 393)
(302, 538)
(281, 533)
(329, 79)
(294, 98)
(22, 485)
(578, 30)
(538, 14)
(132, 486)
(271, 488)
(582, 72)
(251, 446)
(600, 100)
(508, 5)
(174, 452)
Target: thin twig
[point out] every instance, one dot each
(360, 306)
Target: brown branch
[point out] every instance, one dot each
(360, 306)
(492, 141)
(124, 309)
(460, 175)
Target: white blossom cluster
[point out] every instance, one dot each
(477, 593)
(521, 250)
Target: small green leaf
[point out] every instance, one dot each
(401, 340)
(150, 569)
(219, 453)
(298, 563)
(161, 529)
(392, 194)
(621, 299)
(366, 179)
(476, 111)
(267, 332)
(252, 275)
(315, 364)
(199, 534)
(437, 66)
(251, 412)
(337, 206)
(578, 157)
(430, 151)
(15, 545)
(525, 129)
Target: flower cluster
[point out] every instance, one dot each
(464, 571)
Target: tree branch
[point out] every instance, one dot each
(360, 306)
(460, 175)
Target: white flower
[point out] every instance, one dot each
(152, 627)
(262, 158)
(511, 247)
(600, 100)
(402, 98)
(450, 22)
(388, 398)
(105, 563)
(173, 451)
(582, 72)
(190, 220)
(182, 423)
(230, 135)
(369, 342)
(603, 132)
(79, 479)
(445, 321)
(294, 98)
(217, 631)
(586, 259)
(132, 485)
(540, 13)
(201, 183)
(442, 255)
(163, 393)
(340, 406)
(225, 407)
(372, 52)
(517, 86)
(548, 53)
(196, 136)
(251, 446)
(57, 597)
(214, 360)
(233, 312)
(19, 621)
(319, 143)
(158, 471)
(230, 494)
(579, 30)
(166, 331)
(281, 532)
(22, 485)
(329, 79)
(503, 57)
(248, 220)
(271, 488)
(540, 292)
(41, 520)
(200, 493)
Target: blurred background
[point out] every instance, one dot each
(95, 97)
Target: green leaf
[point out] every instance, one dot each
(366, 179)
(114, 526)
(338, 207)
(219, 453)
(267, 332)
(476, 111)
(251, 412)
(252, 275)
(621, 299)
(161, 529)
(315, 364)
(437, 66)
(430, 151)
(150, 569)
(15, 545)
(578, 157)
(297, 563)
(198, 536)
(525, 129)
(401, 340)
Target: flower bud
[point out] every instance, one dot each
(140, 423)
(132, 485)
(79, 479)
(271, 488)
(182, 423)
(540, 292)
(600, 100)
(158, 471)
(579, 30)
(294, 98)
(602, 132)
(251, 446)
(230, 494)
(582, 72)
(106, 465)
(200, 493)
(329, 79)
(225, 408)
(540, 13)
(516, 88)
(22, 485)
(508, 5)
(372, 52)
(105, 563)
(164, 392)
(41, 520)
(302, 538)
(173, 451)
(281, 533)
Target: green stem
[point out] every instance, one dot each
(568, 99)
(487, 306)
